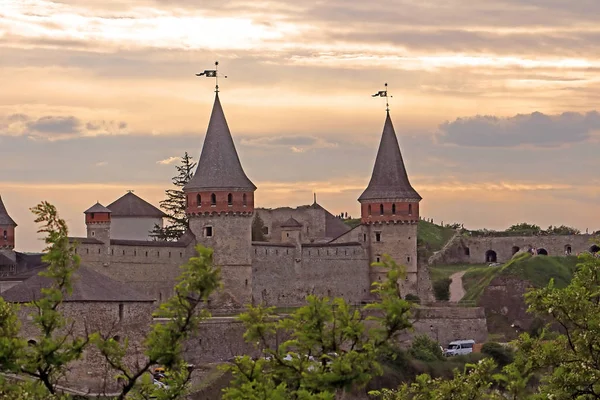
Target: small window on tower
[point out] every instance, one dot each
(213, 199)
(410, 209)
(408, 259)
(92, 215)
(378, 259)
(229, 199)
(208, 231)
(198, 200)
(364, 237)
(378, 236)
(381, 209)
(265, 230)
(244, 200)
(369, 210)
(93, 233)
(5, 235)
(393, 209)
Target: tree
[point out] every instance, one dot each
(258, 226)
(57, 347)
(562, 230)
(441, 289)
(525, 229)
(331, 347)
(175, 202)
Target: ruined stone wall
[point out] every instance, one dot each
(311, 218)
(91, 371)
(473, 250)
(446, 324)
(284, 275)
(220, 338)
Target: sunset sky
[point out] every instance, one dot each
(495, 102)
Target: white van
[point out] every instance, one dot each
(459, 347)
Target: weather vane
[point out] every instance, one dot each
(213, 73)
(384, 93)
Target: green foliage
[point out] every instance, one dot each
(331, 348)
(352, 222)
(426, 349)
(441, 289)
(258, 226)
(175, 203)
(413, 298)
(525, 229)
(502, 355)
(562, 230)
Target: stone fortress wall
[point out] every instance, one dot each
(479, 250)
(284, 274)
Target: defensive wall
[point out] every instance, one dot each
(284, 274)
(221, 338)
(148, 268)
(126, 320)
(478, 250)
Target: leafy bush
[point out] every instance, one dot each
(502, 355)
(413, 298)
(441, 289)
(424, 348)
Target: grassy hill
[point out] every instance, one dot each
(537, 270)
(431, 238)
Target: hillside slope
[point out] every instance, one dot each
(431, 238)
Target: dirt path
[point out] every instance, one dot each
(457, 291)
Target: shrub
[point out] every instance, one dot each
(502, 355)
(441, 289)
(413, 298)
(424, 348)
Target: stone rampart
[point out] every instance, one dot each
(284, 275)
(479, 250)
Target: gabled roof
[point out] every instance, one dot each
(97, 208)
(291, 223)
(88, 285)
(5, 219)
(219, 166)
(389, 179)
(130, 205)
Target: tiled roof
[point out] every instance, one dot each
(219, 166)
(97, 208)
(5, 219)
(389, 179)
(88, 285)
(130, 205)
(291, 223)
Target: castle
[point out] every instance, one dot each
(307, 250)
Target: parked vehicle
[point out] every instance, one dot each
(459, 347)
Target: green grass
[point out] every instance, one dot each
(432, 235)
(352, 222)
(537, 270)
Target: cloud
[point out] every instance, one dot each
(56, 127)
(296, 144)
(535, 129)
(168, 161)
(101, 163)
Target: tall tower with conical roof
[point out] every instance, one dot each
(220, 205)
(7, 228)
(390, 210)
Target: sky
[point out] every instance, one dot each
(494, 102)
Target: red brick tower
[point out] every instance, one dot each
(97, 221)
(220, 204)
(7, 228)
(390, 209)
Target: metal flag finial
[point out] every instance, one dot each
(384, 93)
(213, 73)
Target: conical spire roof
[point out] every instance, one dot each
(5, 219)
(97, 208)
(219, 167)
(389, 179)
